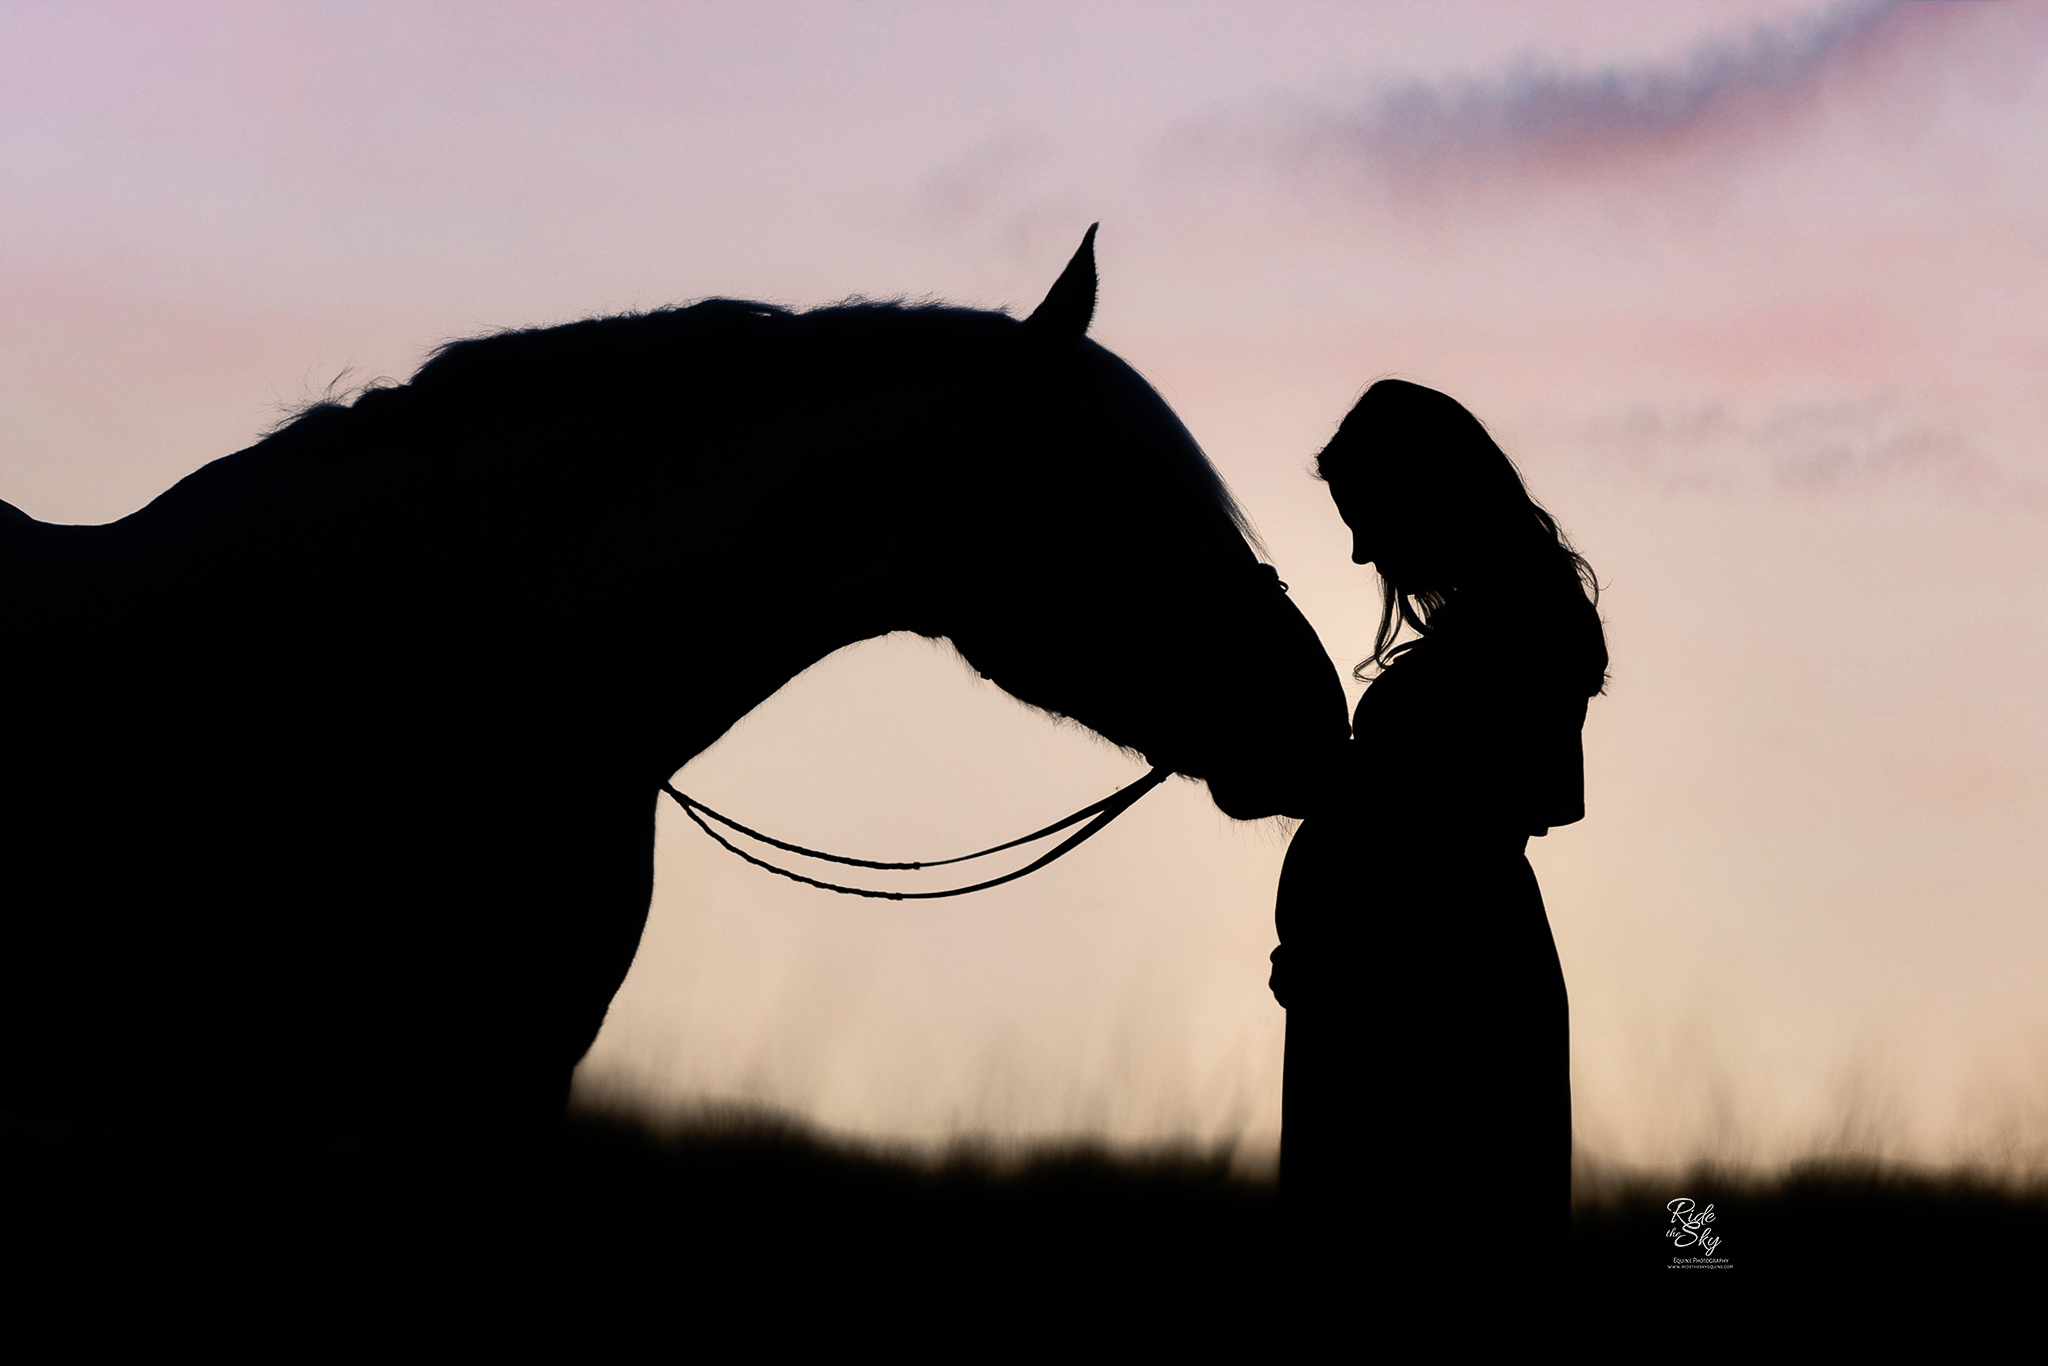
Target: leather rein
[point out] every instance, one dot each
(1104, 811)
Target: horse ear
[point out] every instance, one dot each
(1068, 309)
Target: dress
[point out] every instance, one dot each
(1427, 1103)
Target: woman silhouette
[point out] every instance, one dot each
(1426, 1115)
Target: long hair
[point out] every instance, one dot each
(1429, 454)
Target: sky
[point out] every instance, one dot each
(1755, 293)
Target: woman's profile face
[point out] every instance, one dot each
(1395, 537)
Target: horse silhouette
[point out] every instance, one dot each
(331, 774)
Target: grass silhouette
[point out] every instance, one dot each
(1834, 1222)
(756, 1217)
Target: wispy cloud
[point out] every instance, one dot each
(1812, 448)
(1540, 112)
(983, 179)
(1543, 116)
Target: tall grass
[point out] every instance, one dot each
(751, 1213)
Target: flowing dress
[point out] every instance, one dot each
(1426, 1112)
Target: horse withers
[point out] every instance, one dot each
(331, 774)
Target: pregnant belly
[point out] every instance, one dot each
(1356, 912)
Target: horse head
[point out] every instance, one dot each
(1112, 578)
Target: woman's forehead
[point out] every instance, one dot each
(1352, 460)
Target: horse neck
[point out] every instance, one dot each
(661, 611)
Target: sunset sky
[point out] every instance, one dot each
(1755, 293)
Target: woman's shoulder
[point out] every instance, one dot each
(1546, 634)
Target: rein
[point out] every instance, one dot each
(1104, 811)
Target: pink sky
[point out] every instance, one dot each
(1755, 293)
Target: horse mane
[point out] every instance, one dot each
(883, 338)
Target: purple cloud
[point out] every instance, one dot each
(1536, 113)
